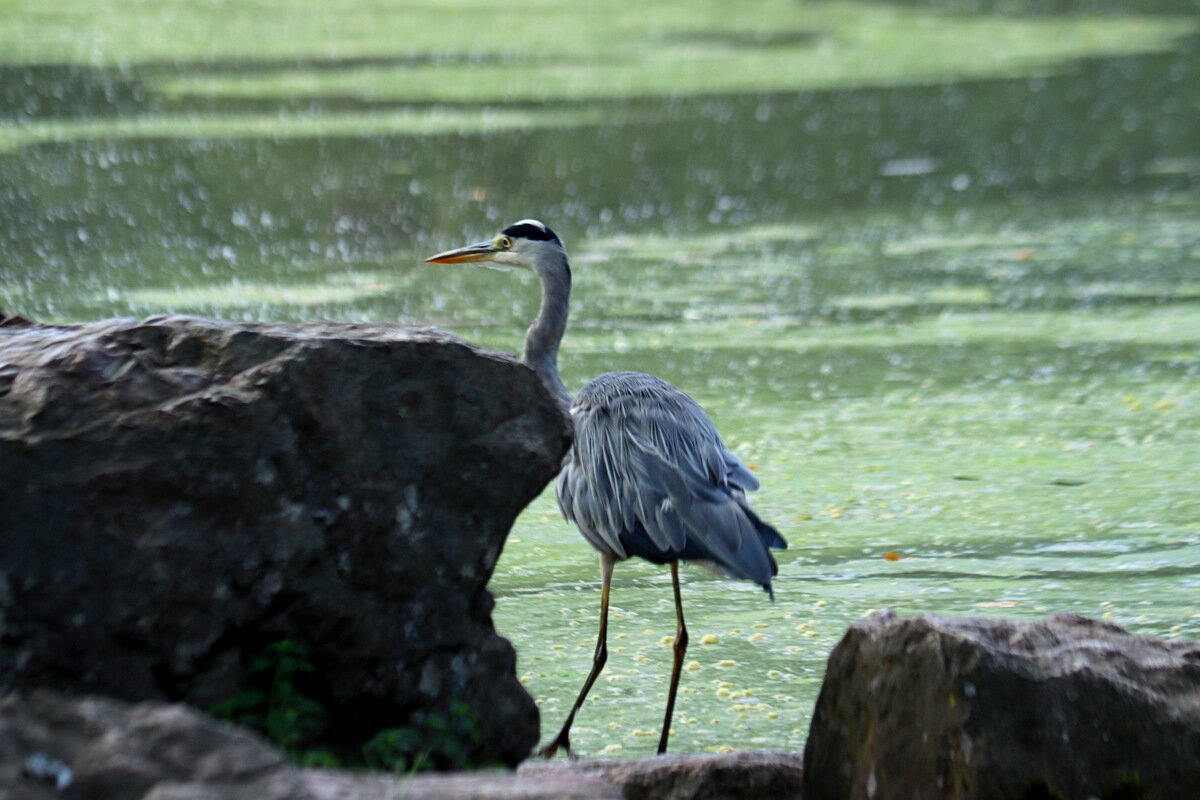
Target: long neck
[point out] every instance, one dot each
(544, 335)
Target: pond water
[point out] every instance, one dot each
(953, 325)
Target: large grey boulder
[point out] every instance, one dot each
(179, 496)
(998, 708)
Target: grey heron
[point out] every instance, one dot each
(648, 475)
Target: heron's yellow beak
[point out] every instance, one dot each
(483, 251)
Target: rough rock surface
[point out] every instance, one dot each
(728, 776)
(995, 708)
(177, 495)
(102, 749)
(53, 747)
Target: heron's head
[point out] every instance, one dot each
(527, 243)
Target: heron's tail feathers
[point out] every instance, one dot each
(770, 537)
(771, 540)
(743, 543)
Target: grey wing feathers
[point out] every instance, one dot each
(649, 476)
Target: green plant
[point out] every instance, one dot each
(434, 741)
(274, 701)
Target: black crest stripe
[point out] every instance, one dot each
(527, 230)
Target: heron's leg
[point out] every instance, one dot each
(681, 641)
(563, 739)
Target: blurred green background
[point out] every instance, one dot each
(933, 267)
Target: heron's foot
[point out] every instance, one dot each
(563, 741)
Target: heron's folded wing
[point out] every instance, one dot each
(648, 461)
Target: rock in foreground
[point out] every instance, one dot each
(994, 708)
(55, 747)
(745, 775)
(180, 497)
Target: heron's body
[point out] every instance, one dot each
(648, 475)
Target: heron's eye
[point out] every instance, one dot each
(503, 243)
